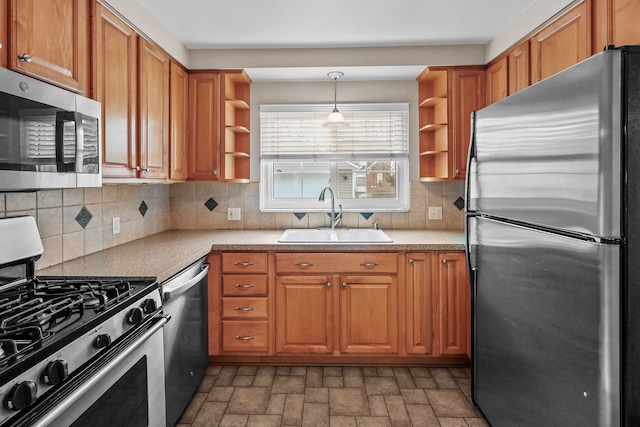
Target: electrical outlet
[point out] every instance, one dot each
(234, 214)
(435, 213)
(116, 225)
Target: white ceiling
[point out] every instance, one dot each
(240, 24)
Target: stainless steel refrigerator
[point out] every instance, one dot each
(553, 245)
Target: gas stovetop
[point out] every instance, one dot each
(53, 328)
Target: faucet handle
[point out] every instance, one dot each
(374, 225)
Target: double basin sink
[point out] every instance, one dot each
(334, 235)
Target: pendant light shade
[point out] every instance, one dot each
(335, 120)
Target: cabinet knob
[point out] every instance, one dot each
(137, 168)
(444, 261)
(344, 284)
(0, 45)
(25, 57)
(328, 284)
(457, 171)
(214, 172)
(145, 170)
(411, 261)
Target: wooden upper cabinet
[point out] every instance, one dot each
(561, 44)
(50, 41)
(115, 77)
(519, 67)
(178, 122)
(446, 98)
(497, 80)
(468, 95)
(153, 110)
(236, 142)
(615, 22)
(4, 32)
(204, 126)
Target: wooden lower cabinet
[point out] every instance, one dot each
(452, 305)
(367, 307)
(304, 314)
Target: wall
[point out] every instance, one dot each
(189, 211)
(63, 236)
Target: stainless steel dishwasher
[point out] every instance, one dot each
(185, 337)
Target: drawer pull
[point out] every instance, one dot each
(369, 264)
(243, 264)
(303, 264)
(243, 308)
(245, 338)
(247, 286)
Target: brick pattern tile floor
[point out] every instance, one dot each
(335, 396)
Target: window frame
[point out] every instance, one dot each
(400, 203)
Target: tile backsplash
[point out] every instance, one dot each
(77, 222)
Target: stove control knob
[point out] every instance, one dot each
(21, 396)
(149, 306)
(135, 315)
(102, 340)
(55, 372)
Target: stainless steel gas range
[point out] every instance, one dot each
(76, 351)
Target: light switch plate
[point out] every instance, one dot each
(234, 214)
(435, 212)
(116, 225)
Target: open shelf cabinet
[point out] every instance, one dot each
(236, 138)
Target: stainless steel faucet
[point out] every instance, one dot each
(335, 219)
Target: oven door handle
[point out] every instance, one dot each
(177, 287)
(78, 394)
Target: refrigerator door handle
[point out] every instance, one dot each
(472, 168)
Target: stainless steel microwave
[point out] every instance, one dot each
(49, 137)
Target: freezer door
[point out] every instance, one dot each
(545, 327)
(550, 154)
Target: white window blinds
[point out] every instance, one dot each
(377, 131)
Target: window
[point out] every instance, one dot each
(366, 164)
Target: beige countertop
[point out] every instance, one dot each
(164, 254)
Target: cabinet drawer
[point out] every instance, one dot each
(327, 263)
(244, 284)
(244, 262)
(244, 307)
(244, 336)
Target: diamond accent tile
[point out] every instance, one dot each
(211, 204)
(459, 203)
(300, 215)
(83, 217)
(366, 215)
(143, 208)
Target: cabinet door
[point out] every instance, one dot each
(204, 126)
(115, 53)
(615, 22)
(519, 68)
(497, 80)
(304, 314)
(467, 95)
(178, 122)
(419, 303)
(50, 40)
(154, 110)
(4, 32)
(453, 306)
(561, 44)
(368, 314)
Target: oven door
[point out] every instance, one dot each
(125, 387)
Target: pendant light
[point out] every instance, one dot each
(335, 120)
